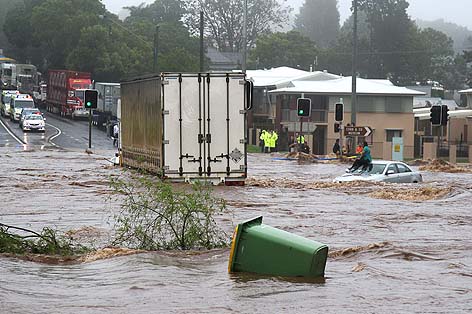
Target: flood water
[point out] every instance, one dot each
(386, 255)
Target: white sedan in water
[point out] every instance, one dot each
(383, 171)
(33, 122)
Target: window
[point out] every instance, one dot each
(392, 167)
(402, 168)
(24, 104)
(393, 133)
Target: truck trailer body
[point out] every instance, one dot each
(108, 97)
(66, 91)
(187, 126)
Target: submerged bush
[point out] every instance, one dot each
(48, 241)
(157, 215)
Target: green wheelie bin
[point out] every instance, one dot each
(261, 249)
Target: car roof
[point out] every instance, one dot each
(34, 115)
(382, 161)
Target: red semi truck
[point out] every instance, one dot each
(66, 90)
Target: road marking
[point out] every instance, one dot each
(59, 132)
(11, 133)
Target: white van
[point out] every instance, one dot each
(17, 104)
(5, 102)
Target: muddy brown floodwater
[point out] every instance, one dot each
(388, 253)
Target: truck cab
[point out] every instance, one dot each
(76, 99)
(8, 75)
(17, 103)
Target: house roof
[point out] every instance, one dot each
(343, 86)
(271, 76)
(466, 91)
(427, 102)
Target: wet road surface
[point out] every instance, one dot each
(386, 255)
(60, 132)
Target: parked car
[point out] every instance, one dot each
(34, 122)
(26, 112)
(383, 171)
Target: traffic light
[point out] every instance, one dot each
(444, 114)
(339, 112)
(336, 127)
(435, 114)
(303, 107)
(91, 99)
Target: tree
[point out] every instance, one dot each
(319, 20)
(57, 24)
(224, 21)
(283, 49)
(108, 58)
(389, 27)
(178, 49)
(158, 12)
(6, 6)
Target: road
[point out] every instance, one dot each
(60, 132)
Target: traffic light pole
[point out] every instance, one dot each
(299, 146)
(90, 128)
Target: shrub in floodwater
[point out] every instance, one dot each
(157, 215)
(48, 241)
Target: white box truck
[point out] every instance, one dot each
(187, 126)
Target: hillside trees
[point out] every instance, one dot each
(319, 20)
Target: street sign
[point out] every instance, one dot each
(357, 131)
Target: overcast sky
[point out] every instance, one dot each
(456, 11)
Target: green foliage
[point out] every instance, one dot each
(157, 215)
(5, 7)
(57, 24)
(283, 49)
(47, 242)
(82, 35)
(391, 46)
(108, 56)
(319, 21)
(459, 34)
(158, 12)
(253, 149)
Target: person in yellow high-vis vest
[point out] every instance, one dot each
(273, 140)
(300, 139)
(267, 142)
(262, 140)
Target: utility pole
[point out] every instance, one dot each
(244, 37)
(202, 66)
(156, 42)
(354, 73)
(354, 66)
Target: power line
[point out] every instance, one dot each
(387, 52)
